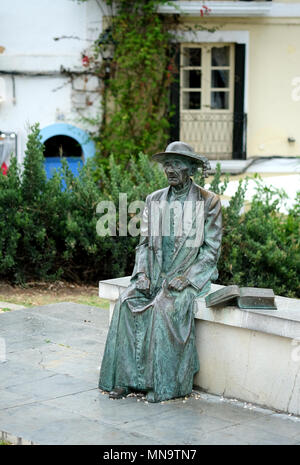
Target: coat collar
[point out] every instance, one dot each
(194, 192)
(193, 195)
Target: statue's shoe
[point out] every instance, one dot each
(151, 397)
(118, 393)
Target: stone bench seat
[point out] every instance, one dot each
(251, 355)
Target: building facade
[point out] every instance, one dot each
(237, 87)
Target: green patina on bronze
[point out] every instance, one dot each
(151, 340)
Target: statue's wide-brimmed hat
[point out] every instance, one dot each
(184, 150)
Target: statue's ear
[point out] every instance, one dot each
(205, 166)
(193, 169)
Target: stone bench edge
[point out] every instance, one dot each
(285, 321)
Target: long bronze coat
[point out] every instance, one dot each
(151, 340)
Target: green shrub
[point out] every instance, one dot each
(260, 248)
(48, 228)
(36, 252)
(10, 215)
(135, 97)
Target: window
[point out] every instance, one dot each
(207, 98)
(207, 77)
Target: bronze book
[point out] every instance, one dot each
(243, 297)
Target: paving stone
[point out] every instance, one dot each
(75, 313)
(224, 409)
(56, 324)
(297, 438)
(179, 427)
(16, 343)
(21, 323)
(53, 330)
(13, 374)
(11, 399)
(51, 386)
(95, 405)
(44, 424)
(244, 434)
(83, 431)
(280, 424)
(61, 359)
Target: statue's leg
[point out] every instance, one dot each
(173, 356)
(119, 368)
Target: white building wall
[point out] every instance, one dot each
(27, 45)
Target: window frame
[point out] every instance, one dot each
(206, 81)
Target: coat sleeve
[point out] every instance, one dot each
(204, 267)
(141, 254)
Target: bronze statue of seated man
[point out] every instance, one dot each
(150, 345)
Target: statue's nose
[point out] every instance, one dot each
(170, 169)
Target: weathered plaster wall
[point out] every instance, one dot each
(27, 45)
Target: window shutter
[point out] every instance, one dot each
(174, 94)
(239, 128)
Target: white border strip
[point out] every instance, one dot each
(233, 9)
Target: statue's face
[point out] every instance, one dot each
(177, 170)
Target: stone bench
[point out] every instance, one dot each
(250, 355)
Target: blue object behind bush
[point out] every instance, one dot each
(54, 163)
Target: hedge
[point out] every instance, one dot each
(48, 227)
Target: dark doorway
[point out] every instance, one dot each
(62, 146)
(58, 147)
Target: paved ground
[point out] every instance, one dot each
(48, 392)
